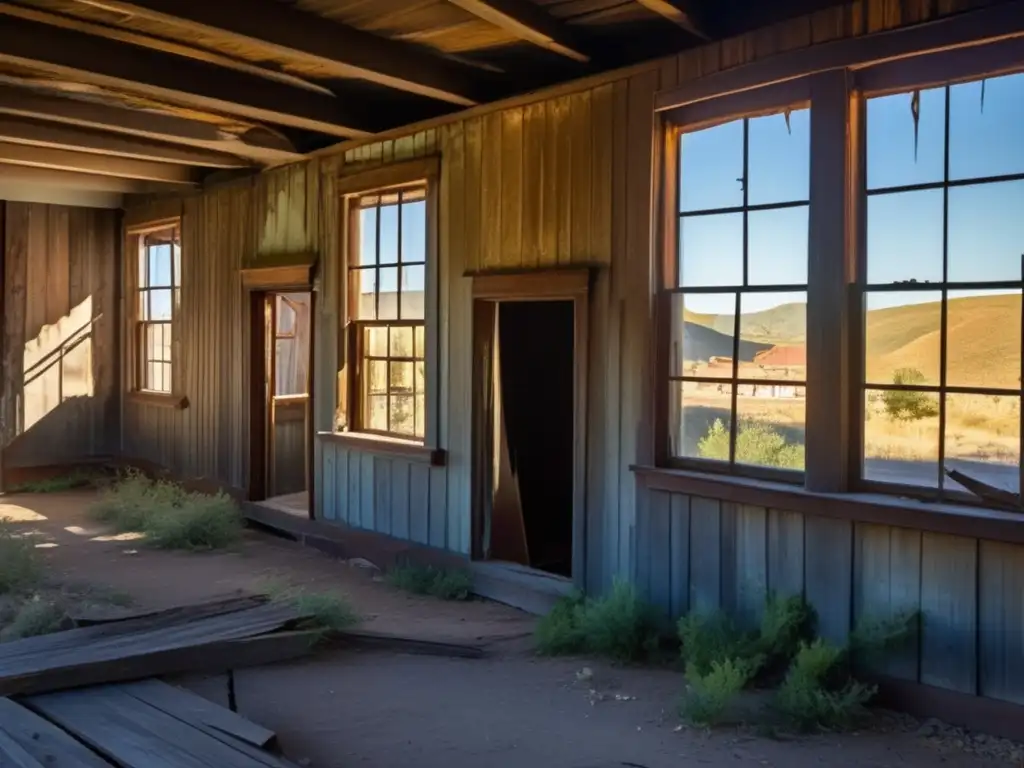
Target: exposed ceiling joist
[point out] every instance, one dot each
(70, 180)
(263, 147)
(340, 50)
(79, 56)
(84, 162)
(39, 134)
(159, 44)
(528, 21)
(685, 13)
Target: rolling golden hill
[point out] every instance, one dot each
(983, 341)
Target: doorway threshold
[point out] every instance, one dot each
(519, 586)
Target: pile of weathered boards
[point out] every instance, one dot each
(88, 697)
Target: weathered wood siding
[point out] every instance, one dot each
(558, 181)
(59, 401)
(703, 554)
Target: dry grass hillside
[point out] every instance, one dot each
(983, 342)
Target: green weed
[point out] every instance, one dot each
(36, 616)
(818, 692)
(709, 694)
(19, 562)
(443, 583)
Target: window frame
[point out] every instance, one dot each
(136, 325)
(348, 425)
(840, 75)
(772, 99)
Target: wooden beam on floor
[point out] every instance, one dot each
(20, 130)
(530, 22)
(683, 13)
(86, 162)
(173, 79)
(340, 50)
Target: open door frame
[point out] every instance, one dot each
(263, 284)
(548, 285)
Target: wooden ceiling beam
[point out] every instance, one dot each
(262, 147)
(36, 133)
(69, 180)
(684, 13)
(84, 162)
(528, 21)
(176, 80)
(341, 51)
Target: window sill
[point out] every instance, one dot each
(159, 400)
(388, 446)
(873, 508)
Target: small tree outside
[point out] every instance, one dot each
(756, 443)
(903, 405)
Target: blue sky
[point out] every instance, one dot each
(414, 238)
(905, 233)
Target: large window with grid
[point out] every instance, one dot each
(942, 286)
(738, 301)
(387, 278)
(157, 299)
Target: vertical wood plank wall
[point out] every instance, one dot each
(702, 554)
(59, 402)
(562, 181)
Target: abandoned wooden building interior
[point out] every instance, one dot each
(722, 298)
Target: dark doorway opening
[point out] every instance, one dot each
(529, 445)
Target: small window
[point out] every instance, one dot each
(738, 308)
(387, 274)
(942, 331)
(291, 343)
(157, 300)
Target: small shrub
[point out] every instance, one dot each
(756, 443)
(443, 583)
(19, 562)
(204, 522)
(818, 693)
(709, 638)
(558, 632)
(169, 516)
(56, 484)
(786, 622)
(903, 405)
(619, 625)
(35, 617)
(710, 694)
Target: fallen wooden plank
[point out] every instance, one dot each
(178, 613)
(363, 638)
(24, 733)
(158, 621)
(199, 712)
(137, 735)
(209, 657)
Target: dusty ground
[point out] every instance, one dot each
(511, 709)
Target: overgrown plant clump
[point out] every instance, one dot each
(756, 443)
(818, 692)
(442, 583)
(169, 516)
(620, 626)
(37, 616)
(76, 479)
(328, 611)
(19, 561)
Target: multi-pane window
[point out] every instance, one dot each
(158, 295)
(942, 332)
(738, 306)
(387, 289)
(291, 342)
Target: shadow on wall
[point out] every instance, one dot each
(51, 399)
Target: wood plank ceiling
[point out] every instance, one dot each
(155, 94)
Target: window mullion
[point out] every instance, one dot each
(832, 376)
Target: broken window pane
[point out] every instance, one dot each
(900, 150)
(985, 118)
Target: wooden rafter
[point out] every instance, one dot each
(260, 146)
(341, 51)
(36, 133)
(528, 21)
(18, 175)
(682, 12)
(174, 79)
(85, 162)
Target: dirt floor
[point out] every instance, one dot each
(511, 709)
